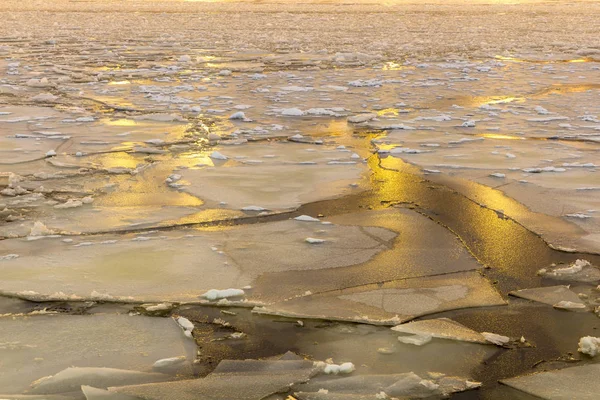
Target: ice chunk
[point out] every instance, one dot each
(215, 294)
(417, 340)
(306, 218)
(334, 369)
(238, 115)
(215, 155)
(589, 345)
(254, 208)
(578, 215)
(39, 229)
(168, 363)
(292, 112)
(71, 203)
(357, 119)
(495, 338)
(570, 305)
(314, 240)
(442, 328)
(578, 271)
(543, 169)
(185, 323)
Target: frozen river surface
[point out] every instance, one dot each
(310, 201)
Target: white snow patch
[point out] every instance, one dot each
(306, 218)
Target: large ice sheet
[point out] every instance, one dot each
(277, 176)
(44, 345)
(415, 247)
(392, 302)
(181, 265)
(579, 382)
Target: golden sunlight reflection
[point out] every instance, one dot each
(388, 111)
(500, 136)
(522, 60)
(119, 83)
(119, 122)
(208, 216)
(197, 159)
(118, 160)
(394, 66)
(145, 190)
(490, 100)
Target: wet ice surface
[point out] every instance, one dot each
(155, 165)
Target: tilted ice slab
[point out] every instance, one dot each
(392, 302)
(276, 176)
(551, 295)
(71, 379)
(62, 341)
(240, 380)
(178, 266)
(442, 328)
(579, 383)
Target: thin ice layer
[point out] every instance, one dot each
(92, 393)
(401, 385)
(240, 380)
